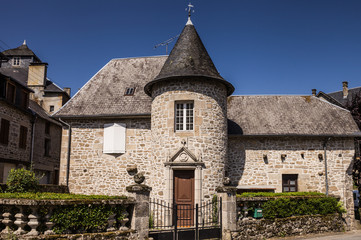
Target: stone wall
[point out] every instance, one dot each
(17, 118)
(92, 171)
(292, 226)
(257, 162)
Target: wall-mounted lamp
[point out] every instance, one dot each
(320, 156)
(265, 158)
(283, 157)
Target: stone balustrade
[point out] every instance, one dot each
(33, 217)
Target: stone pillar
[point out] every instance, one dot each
(140, 219)
(229, 210)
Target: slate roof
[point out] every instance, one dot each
(189, 58)
(22, 50)
(33, 106)
(287, 115)
(103, 94)
(20, 74)
(339, 95)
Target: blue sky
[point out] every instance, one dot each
(260, 46)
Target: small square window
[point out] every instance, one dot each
(289, 182)
(51, 109)
(129, 91)
(16, 61)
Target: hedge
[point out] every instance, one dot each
(284, 194)
(287, 207)
(85, 218)
(57, 196)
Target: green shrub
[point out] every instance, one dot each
(287, 207)
(285, 194)
(57, 196)
(84, 218)
(21, 180)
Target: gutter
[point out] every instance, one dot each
(325, 153)
(69, 149)
(32, 143)
(356, 134)
(103, 116)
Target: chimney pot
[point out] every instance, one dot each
(345, 89)
(314, 91)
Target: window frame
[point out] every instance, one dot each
(47, 144)
(286, 182)
(4, 132)
(23, 134)
(16, 61)
(184, 113)
(129, 91)
(8, 92)
(51, 108)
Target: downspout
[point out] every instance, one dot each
(69, 149)
(325, 153)
(32, 143)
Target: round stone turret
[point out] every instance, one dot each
(189, 117)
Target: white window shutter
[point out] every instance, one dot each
(114, 138)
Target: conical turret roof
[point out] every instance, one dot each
(189, 58)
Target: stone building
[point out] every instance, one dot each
(29, 135)
(174, 118)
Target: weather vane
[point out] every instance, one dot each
(189, 9)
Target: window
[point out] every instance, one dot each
(24, 99)
(129, 92)
(47, 128)
(10, 93)
(51, 108)
(47, 147)
(184, 116)
(114, 138)
(4, 131)
(23, 137)
(289, 182)
(16, 61)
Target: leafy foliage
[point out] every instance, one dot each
(287, 207)
(285, 194)
(57, 196)
(81, 218)
(21, 180)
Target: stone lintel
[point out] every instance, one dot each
(138, 188)
(188, 164)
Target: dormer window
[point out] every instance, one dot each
(129, 91)
(16, 61)
(184, 116)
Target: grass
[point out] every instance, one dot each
(57, 196)
(286, 194)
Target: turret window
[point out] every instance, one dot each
(184, 116)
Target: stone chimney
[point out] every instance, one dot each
(37, 74)
(345, 89)
(67, 90)
(314, 92)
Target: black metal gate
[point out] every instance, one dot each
(178, 222)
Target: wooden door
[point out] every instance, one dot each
(184, 197)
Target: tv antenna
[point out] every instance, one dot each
(165, 43)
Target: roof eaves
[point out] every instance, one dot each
(355, 134)
(138, 115)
